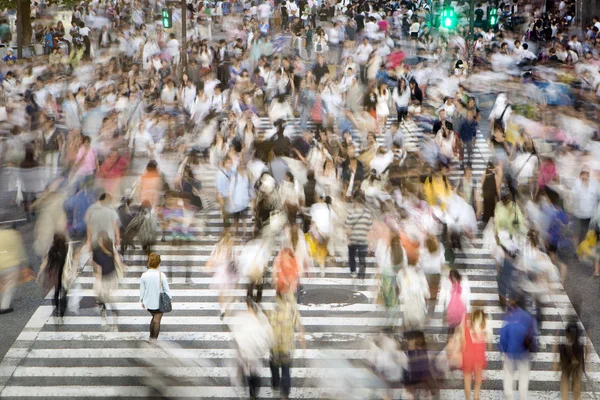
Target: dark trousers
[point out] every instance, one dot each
(60, 299)
(259, 289)
(363, 74)
(254, 385)
(284, 384)
(361, 251)
(468, 145)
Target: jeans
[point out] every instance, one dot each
(284, 384)
(510, 366)
(469, 146)
(402, 112)
(361, 251)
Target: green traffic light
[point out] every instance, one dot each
(448, 22)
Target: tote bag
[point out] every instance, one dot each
(164, 302)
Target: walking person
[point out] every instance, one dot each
(253, 337)
(107, 270)
(226, 274)
(476, 338)
(358, 225)
(517, 341)
(55, 272)
(284, 321)
(571, 361)
(12, 258)
(454, 298)
(152, 284)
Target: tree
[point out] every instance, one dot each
(23, 22)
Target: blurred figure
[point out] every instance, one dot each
(143, 227)
(253, 261)
(112, 170)
(419, 375)
(29, 181)
(106, 271)
(85, 164)
(572, 355)
(454, 299)
(226, 275)
(253, 337)
(387, 361)
(284, 320)
(517, 341)
(54, 273)
(153, 282)
(151, 185)
(12, 257)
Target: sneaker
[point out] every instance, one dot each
(353, 274)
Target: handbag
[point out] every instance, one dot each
(164, 301)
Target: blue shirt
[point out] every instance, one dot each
(558, 220)
(10, 58)
(468, 130)
(223, 181)
(518, 325)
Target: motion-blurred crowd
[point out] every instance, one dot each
(342, 130)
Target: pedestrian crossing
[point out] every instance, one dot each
(82, 359)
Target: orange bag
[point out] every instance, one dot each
(411, 248)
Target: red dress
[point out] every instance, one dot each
(473, 353)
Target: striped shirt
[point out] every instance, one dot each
(359, 222)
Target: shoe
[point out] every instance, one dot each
(114, 328)
(322, 274)
(222, 316)
(6, 311)
(353, 274)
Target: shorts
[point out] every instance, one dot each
(154, 311)
(414, 35)
(240, 214)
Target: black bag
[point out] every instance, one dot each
(164, 301)
(499, 122)
(319, 47)
(529, 342)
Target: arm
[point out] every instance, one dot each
(142, 292)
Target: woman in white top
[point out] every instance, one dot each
(445, 140)
(382, 108)
(401, 96)
(152, 284)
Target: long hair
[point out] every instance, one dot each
(58, 251)
(396, 250)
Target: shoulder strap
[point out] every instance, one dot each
(505, 108)
(160, 280)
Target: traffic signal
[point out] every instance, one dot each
(493, 17)
(167, 18)
(449, 19)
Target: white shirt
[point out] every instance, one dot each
(150, 288)
(584, 199)
(363, 52)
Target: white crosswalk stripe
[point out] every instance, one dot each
(81, 359)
